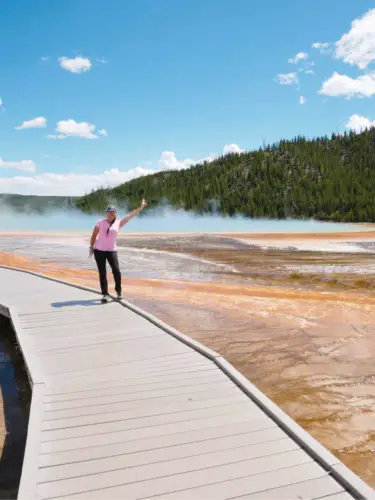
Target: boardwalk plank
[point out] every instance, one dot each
(178, 475)
(231, 486)
(134, 398)
(133, 346)
(124, 459)
(140, 405)
(338, 496)
(93, 347)
(155, 420)
(176, 471)
(261, 431)
(305, 490)
(66, 364)
(87, 342)
(181, 378)
(211, 377)
(222, 399)
(126, 369)
(52, 446)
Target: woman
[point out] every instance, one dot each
(103, 246)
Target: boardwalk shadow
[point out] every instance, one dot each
(15, 394)
(84, 303)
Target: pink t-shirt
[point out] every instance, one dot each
(107, 242)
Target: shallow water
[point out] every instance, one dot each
(136, 261)
(165, 220)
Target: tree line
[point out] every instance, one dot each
(326, 178)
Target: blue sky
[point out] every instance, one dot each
(96, 92)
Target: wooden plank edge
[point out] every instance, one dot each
(30, 359)
(4, 311)
(197, 346)
(28, 483)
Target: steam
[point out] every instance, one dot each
(162, 219)
(29, 213)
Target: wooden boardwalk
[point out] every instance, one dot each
(124, 407)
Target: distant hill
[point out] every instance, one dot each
(36, 204)
(324, 178)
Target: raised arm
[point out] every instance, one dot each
(135, 212)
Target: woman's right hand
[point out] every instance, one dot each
(91, 252)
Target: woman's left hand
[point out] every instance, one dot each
(143, 204)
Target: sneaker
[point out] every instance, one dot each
(119, 296)
(105, 299)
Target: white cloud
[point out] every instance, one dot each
(357, 47)
(71, 128)
(75, 65)
(359, 123)
(1, 102)
(231, 148)
(301, 56)
(306, 68)
(343, 85)
(44, 58)
(287, 78)
(322, 47)
(71, 184)
(103, 132)
(39, 122)
(25, 165)
(77, 184)
(302, 100)
(168, 160)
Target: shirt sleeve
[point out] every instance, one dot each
(97, 225)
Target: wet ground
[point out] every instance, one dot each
(299, 324)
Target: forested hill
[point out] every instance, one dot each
(325, 178)
(35, 204)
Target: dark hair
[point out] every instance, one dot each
(110, 225)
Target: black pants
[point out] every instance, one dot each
(101, 261)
